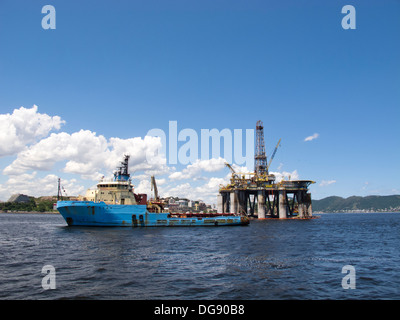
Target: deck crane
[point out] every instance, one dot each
(273, 154)
(230, 167)
(154, 187)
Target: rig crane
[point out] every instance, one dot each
(273, 154)
(233, 170)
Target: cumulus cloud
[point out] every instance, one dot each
(194, 170)
(198, 188)
(279, 176)
(81, 149)
(23, 127)
(27, 134)
(144, 186)
(207, 191)
(310, 138)
(239, 169)
(32, 185)
(87, 154)
(144, 154)
(184, 190)
(325, 183)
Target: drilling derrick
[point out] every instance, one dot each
(260, 159)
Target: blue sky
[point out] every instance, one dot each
(118, 69)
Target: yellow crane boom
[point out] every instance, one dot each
(273, 154)
(154, 187)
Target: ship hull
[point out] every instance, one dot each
(88, 213)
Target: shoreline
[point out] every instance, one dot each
(27, 212)
(293, 218)
(360, 212)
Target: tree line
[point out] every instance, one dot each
(34, 205)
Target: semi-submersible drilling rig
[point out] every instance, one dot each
(257, 193)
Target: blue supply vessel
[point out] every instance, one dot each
(115, 204)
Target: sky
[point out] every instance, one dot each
(74, 99)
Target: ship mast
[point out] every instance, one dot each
(123, 173)
(59, 194)
(124, 163)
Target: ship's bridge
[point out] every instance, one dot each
(111, 183)
(117, 190)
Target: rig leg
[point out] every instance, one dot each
(261, 204)
(282, 205)
(300, 201)
(233, 203)
(220, 204)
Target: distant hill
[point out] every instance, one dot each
(359, 204)
(18, 203)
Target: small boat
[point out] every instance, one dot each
(114, 203)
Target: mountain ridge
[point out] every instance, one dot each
(357, 204)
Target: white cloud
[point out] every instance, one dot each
(194, 170)
(207, 192)
(23, 127)
(144, 186)
(26, 133)
(285, 175)
(310, 138)
(239, 169)
(184, 190)
(83, 150)
(87, 154)
(144, 154)
(325, 183)
(32, 185)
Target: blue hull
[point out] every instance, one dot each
(88, 213)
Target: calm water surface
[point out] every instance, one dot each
(268, 259)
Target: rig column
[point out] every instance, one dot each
(300, 202)
(242, 202)
(220, 204)
(225, 202)
(261, 204)
(282, 204)
(308, 205)
(233, 202)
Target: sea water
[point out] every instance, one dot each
(269, 259)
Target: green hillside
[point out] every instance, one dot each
(369, 203)
(41, 204)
